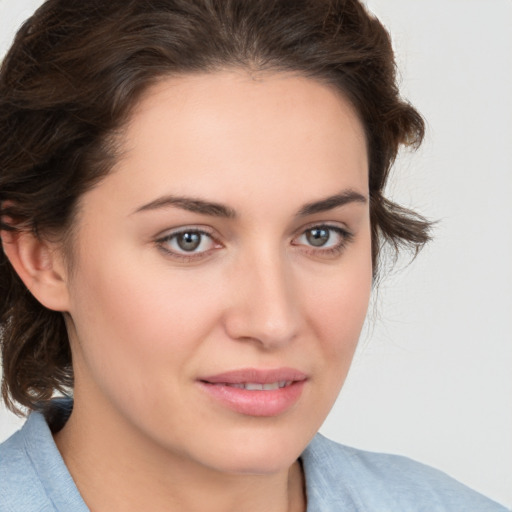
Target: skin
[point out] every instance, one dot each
(146, 323)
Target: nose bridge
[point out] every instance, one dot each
(265, 308)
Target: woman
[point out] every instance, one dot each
(192, 215)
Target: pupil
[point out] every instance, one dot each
(189, 241)
(318, 236)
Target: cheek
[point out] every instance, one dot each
(344, 311)
(338, 309)
(132, 316)
(335, 314)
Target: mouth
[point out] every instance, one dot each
(255, 386)
(255, 392)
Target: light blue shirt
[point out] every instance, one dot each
(34, 478)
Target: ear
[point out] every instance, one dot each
(40, 265)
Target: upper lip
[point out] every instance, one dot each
(256, 375)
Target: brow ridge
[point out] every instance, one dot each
(190, 204)
(219, 210)
(331, 202)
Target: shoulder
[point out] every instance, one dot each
(340, 476)
(33, 475)
(20, 487)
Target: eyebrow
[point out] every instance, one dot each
(213, 209)
(190, 204)
(329, 203)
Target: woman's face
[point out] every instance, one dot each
(222, 271)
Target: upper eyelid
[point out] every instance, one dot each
(344, 233)
(346, 238)
(166, 236)
(199, 228)
(337, 229)
(185, 256)
(168, 233)
(337, 226)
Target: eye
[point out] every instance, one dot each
(324, 239)
(318, 237)
(187, 243)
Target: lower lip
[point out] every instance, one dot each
(255, 403)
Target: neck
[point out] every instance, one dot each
(116, 469)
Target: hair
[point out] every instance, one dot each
(71, 79)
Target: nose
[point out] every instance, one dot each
(263, 303)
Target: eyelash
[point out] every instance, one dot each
(345, 236)
(184, 256)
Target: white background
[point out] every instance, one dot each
(433, 377)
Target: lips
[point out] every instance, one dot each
(255, 386)
(255, 392)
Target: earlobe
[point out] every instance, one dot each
(39, 264)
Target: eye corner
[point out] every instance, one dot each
(199, 244)
(329, 246)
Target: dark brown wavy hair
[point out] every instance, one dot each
(78, 67)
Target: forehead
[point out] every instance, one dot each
(275, 133)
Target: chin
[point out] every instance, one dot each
(257, 452)
(257, 464)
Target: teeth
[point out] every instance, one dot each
(254, 386)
